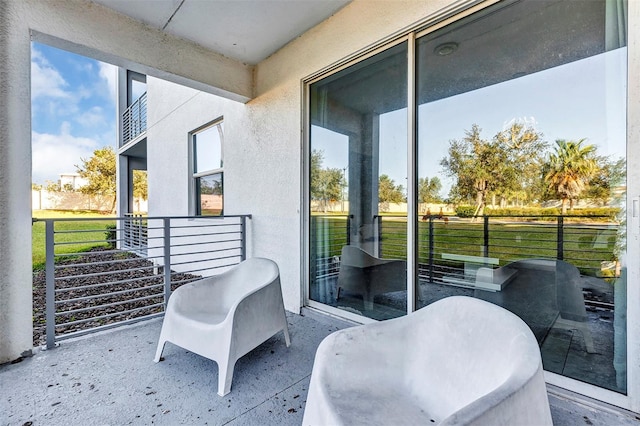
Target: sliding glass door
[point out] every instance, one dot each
(520, 177)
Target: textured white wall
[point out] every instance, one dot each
(16, 332)
(257, 179)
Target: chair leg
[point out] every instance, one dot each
(225, 376)
(368, 301)
(582, 327)
(588, 339)
(159, 350)
(285, 329)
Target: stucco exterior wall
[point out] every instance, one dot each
(257, 178)
(15, 182)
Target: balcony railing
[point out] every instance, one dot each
(101, 273)
(134, 119)
(589, 243)
(135, 234)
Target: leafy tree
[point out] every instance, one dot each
(506, 165)
(476, 164)
(571, 167)
(524, 148)
(429, 190)
(608, 176)
(36, 186)
(326, 184)
(100, 174)
(207, 187)
(140, 186)
(388, 191)
(52, 186)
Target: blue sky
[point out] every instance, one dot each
(73, 110)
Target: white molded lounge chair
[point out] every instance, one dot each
(361, 273)
(458, 361)
(223, 317)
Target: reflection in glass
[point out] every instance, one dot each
(208, 149)
(521, 114)
(357, 189)
(209, 193)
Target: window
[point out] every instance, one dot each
(207, 172)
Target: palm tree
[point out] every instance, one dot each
(570, 168)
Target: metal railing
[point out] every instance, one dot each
(589, 243)
(134, 119)
(95, 280)
(134, 234)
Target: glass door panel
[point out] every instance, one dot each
(521, 112)
(358, 172)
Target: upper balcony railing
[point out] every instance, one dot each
(134, 119)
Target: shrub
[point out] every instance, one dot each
(465, 211)
(110, 235)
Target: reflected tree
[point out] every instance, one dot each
(326, 184)
(429, 190)
(570, 169)
(388, 191)
(507, 165)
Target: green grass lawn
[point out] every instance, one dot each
(70, 236)
(585, 246)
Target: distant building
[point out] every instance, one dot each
(72, 181)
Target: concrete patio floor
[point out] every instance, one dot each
(109, 379)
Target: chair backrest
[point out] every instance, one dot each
(228, 288)
(355, 256)
(246, 278)
(569, 292)
(469, 348)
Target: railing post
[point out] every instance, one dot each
(50, 305)
(431, 246)
(243, 239)
(167, 260)
(486, 236)
(560, 253)
(313, 256)
(379, 239)
(349, 229)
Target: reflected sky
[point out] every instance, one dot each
(582, 99)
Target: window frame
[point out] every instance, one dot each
(195, 206)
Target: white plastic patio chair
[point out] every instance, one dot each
(225, 316)
(458, 361)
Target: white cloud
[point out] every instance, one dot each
(46, 81)
(109, 75)
(54, 154)
(94, 117)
